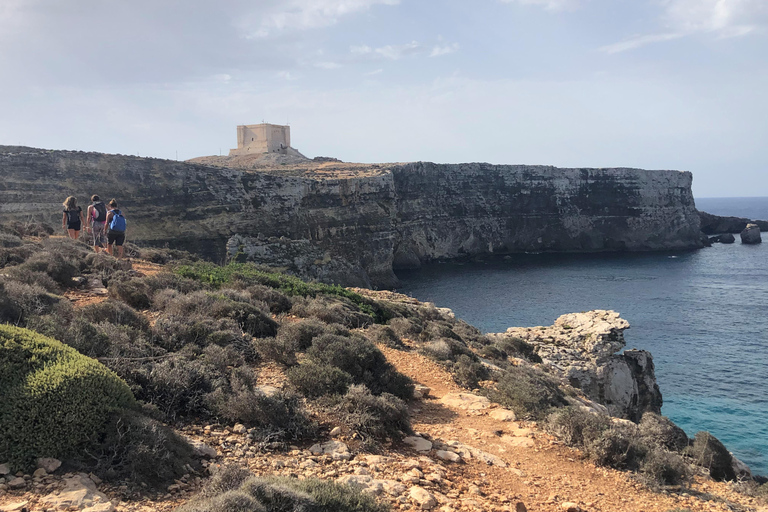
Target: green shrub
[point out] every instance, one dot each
(492, 352)
(362, 361)
(54, 399)
(178, 386)
(373, 418)
(32, 278)
(168, 280)
(233, 490)
(278, 302)
(8, 240)
(439, 329)
(617, 449)
(60, 267)
(526, 391)
(314, 380)
(707, 451)
(663, 432)
(140, 449)
(299, 335)
(249, 273)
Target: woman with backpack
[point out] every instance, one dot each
(116, 235)
(97, 216)
(72, 219)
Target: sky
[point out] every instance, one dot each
(655, 84)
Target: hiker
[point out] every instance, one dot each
(72, 219)
(97, 216)
(116, 233)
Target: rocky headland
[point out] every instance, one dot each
(354, 224)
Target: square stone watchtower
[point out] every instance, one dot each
(262, 138)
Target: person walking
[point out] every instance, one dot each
(116, 230)
(72, 219)
(97, 216)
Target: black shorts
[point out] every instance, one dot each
(115, 238)
(74, 225)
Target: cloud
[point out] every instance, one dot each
(305, 14)
(438, 50)
(327, 65)
(638, 41)
(550, 5)
(719, 18)
(390, 51)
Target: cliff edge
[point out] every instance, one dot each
(354, 224)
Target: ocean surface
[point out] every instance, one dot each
(702, 314)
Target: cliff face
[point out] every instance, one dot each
(354, 228)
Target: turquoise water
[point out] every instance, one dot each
(702, 314)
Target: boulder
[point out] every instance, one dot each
(726, 238)
(422, 498)
(4, 469)
(420, 391)
(502, 414)
(17, 483)
(418, 443)
(751, 234)
(466, 401)
(49, 464)
(336, 449)
(447, 455)
(201, 449)
(17, 506)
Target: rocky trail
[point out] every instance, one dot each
(467, 454)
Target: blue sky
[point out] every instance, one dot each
(658, 84)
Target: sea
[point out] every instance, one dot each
(702, 314)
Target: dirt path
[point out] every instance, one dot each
(94, 292)
(544, 474)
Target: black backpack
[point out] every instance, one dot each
(101, 210)
(73, 216)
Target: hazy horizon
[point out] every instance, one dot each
(653, 84)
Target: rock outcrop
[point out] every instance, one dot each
(582, 349)
(714, 224)
(354, 224)
(751, 234)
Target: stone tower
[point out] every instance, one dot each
(262, 138)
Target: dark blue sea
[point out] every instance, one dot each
(702, 314)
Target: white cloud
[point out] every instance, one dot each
(638, 41)
(390, 51)
(307, 14)
(720, 18)
(438, 50)
(550, 5)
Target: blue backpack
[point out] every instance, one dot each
(117, 224)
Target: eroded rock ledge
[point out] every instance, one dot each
(582, 348)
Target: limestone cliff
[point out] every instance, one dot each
(581, 348)
(354, 223)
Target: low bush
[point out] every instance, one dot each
(61, 268)
(617, 449)
(383, 334)
(8, 240)
(163, 256)
(331, 310)
(373, 418)
(133, 291)
(299, 335)
(526, 391)
(467, 372)
(33, 277)
(664, 468)
(577, 427)
(439, 329)
(663, 432)
(168, 280)
(279, 350)
(277, 418)
(707, 451)
(19, 302)
(362, 361)
(315, 380)
(277, 301)
(406, 327)
(115, 312)
(55, 400)
(140, 449)
(236, 490)
(178, 385)
(492, 352)
(517, 347)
